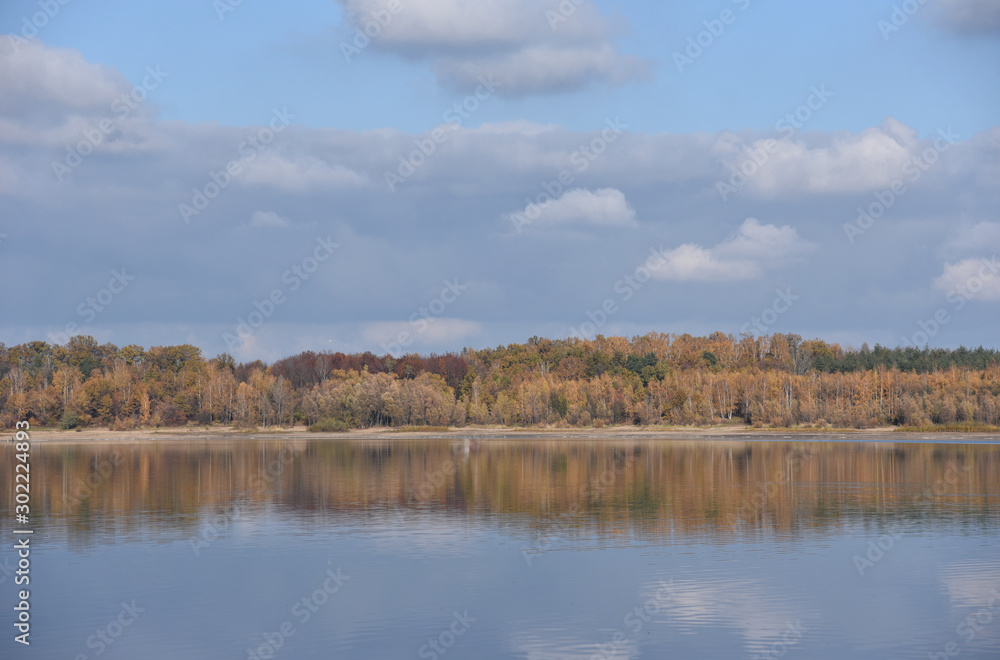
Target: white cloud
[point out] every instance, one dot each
(844, 162)
(543, 68)
(524, 43)
(757, 241)
(267, 219)
(449, 25)
(741, 257)
(33, 75)
(973, 279)
(54, 98)
(441, 227)
(519, 126)
(694, 263)
(604, 207)
(298, 173)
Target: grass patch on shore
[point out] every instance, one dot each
(421, 429)
(962, 427)
(808, 430)
(328, 425)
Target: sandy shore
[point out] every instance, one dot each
(889, 434)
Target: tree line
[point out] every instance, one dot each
(776, 380)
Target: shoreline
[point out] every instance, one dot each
(728, 433)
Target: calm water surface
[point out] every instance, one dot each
(540, 549)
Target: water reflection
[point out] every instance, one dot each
(723, 490)
(556, 548)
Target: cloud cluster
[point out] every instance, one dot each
(34, 76)
(974, 272)
(973, 278)
(824, 164)
(604, 207)
(299, 172)
(451, 220)
(743, 256)
(527, 44)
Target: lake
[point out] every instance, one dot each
(543, 549)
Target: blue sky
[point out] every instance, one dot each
(760, 67)
(659, 183)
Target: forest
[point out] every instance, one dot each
(771, 381)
